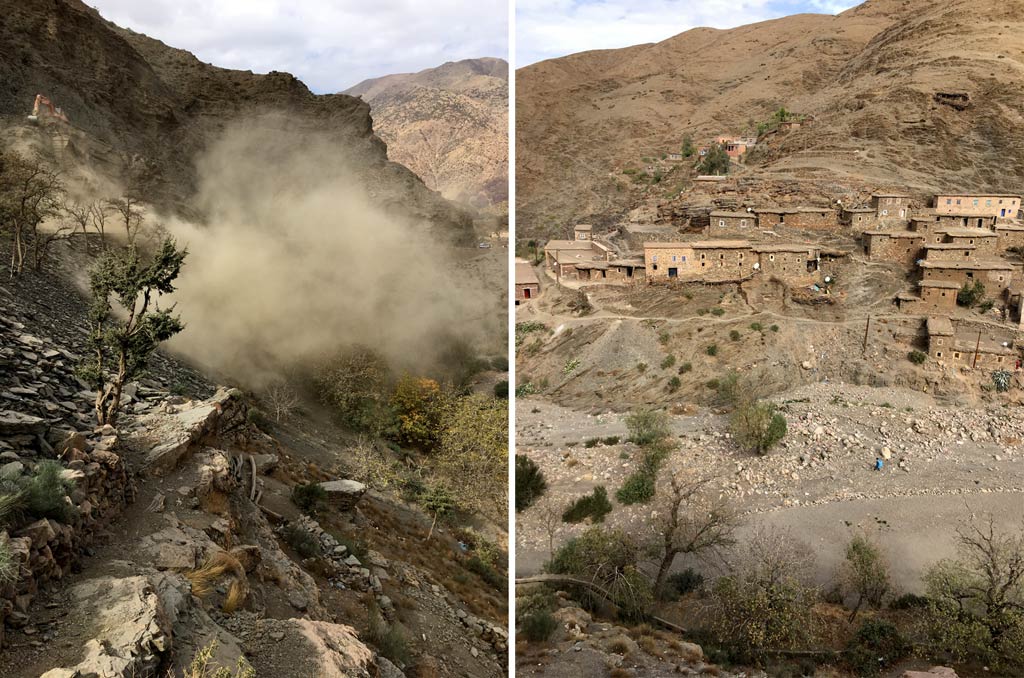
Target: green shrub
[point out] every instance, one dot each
(354, 383)
(530, 482)
(46, 492)
(594, 506)
(757, 327)
(712, 350)
(611, 440)
(668, 362)
(718, 311)
(970, 295)
(309, 497)
(389, 639)
(685, 367)
(681, 583)
(673, 384)
(638, 489)
(663, 338)
(758, 426)
(538, 626)
(734, 335)
(917, 357)
(476, 565)
(909, 601)
(774, 328)
(501, 389)
(877, 645)
(301, 541)
(591, 442)
(8, 565)
(1001, 380)
(641, 367)
(646, 426)
(355, 547)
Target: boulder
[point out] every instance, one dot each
(343, 494)
(18, 424)
(934, 672)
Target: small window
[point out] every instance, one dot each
(938, 354)
(949, 201)
(771, 257)
(721, 222)
(673, 257)
(956, 354)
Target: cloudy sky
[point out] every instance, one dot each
(550, 28)
(329, 44)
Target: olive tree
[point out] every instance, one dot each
(121, 343)
(865, 573)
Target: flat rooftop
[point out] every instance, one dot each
(939, 325)
(723, 213)
(525, 275)
(898, 234)
(942, 284)
(699, 245)
(967, 232)
(967, 265)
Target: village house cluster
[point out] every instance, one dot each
(958, 241)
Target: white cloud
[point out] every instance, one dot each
(549, 29)
(329, 44)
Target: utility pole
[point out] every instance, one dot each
(977, 350)
(867, 326)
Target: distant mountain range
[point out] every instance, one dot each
(449, 125)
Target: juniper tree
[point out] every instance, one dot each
(121, 346)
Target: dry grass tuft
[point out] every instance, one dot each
(219, 564)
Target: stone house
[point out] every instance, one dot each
(985, 242)
(792, 263)
(583, 232)
(891, 206)
(723, 223)
(527, 283)
(709, 260)
(810, 218)
(940, 336)
(903, 247)
(1000, 206)
(937, 295)
(947, 251)
(861, 218)
(1010, 235)
(675, 157)
(562, 256)
(995, 275)
(614, 271)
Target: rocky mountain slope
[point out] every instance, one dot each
(449, 125)
(141, 112)
(869, 76)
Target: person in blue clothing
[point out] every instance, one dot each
(879, 464)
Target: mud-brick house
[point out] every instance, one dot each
(968, 347)
(614, 271)
(996, 276)
(1010, 235)
(937, 295)
(940, 336)
(736, 148)
(562, 256)
(986, 242)
(902, 247)
(947, 251)
(999, 206)
(675, 157)
(527, 284)
(809, 218)
(707, 260)
(724, 223)
(859, 218)
(792, 263)
(583, 232)
(891, 206)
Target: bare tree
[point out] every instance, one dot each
(42, 239)
(550, 519)
(692, 520)
(128, 209)
(99, 212)
(30, 194)
(282, 398)
(76, 215)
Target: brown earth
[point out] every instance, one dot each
(869, 76)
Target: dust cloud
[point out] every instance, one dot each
(294, 260)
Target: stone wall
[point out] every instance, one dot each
(905, 250)
(46, 550)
